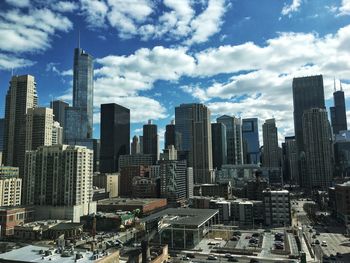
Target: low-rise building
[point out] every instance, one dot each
(224, 208)
(215, 190)
(277, 208)
(108, 181)
(247, 213)
(13, 216)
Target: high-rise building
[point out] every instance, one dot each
(96, 147)
(291, 161)
(115, 136)
(136, 159)
(58, 175)
(79, 118)
(172, 137)
(338, 112)
(192, 121)
(57, 133)
(2, 127)
(307, 93)
(141, 144)
(218, 135)
(271, 154)
(59, 107)
(135, 145)
(173, 181)
(250, 134)
(234, 138)
(20, 97)
(318, 149)
(39, 124)
(150, 140)
(10, 186)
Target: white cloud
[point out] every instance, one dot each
(344, 9)
(291, 8)
(18, 3)
(95, 12)
(12, 62)
(65, 6)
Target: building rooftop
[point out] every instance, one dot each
(128, 201)
(37, 254)
(183, 216)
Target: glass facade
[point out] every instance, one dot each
(2, 126)
(250, 132)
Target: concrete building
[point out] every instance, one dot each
(214, 190)
(79, 118)
(234, 138)
(115, 136)
(150, 140)
(57, 133)
(135, 145)
(144, 187)
(59, 176)
(219, 145)
(277, 208)
(20, 97)
(14, 215)
(136, 159)
(193, 123)
(127, 174)
(224, 208)
(10, 186)
(247, 213)
(342, 197)
(250, 135)
(271, 156)
(291, 161)
(318, 149)
(110, 182)
(338, 111)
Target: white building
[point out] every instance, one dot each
(10, 186)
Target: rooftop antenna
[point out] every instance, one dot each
(335, 88)
(341, 87)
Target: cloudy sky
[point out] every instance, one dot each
(237, 56)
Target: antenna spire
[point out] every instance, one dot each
(341, 87)
(335, 87)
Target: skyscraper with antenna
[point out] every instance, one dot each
(338, 111)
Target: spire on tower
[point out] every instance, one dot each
(335, 87)
(341, 87)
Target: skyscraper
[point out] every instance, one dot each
(218, 135)
(59, 107)
(250, 134)
(2, 127)
(135, 145)
(317, 139)
(291, 160)
(79, 118)
(172, 137)
(234, 138)
(338, 112)
(150, 140)
(192, 121)
(20, 97)
(271, 153)
(115, 136)
(307, 93)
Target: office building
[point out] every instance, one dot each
(58, 175)
(169, 153)
(307, 93)
(338, 112)
(172, 137)
(110, 182)
(342, 196)
(96, 147)
(150, 140)
(135, 145)
(271, 155)
(10, 186)
(57, 133)
(193, 123)
(39, 125)
(20, 97)
(136, 159)
(318, 149)
(224, 208)
(144, 187)
(79, 118)
(173, 178)
(277, 208)
(234, 138)
(342, 158)
(115, 136)
(250, 135)
(2, 128)
(247, 213)
(219, 149)
(59, 107)
(290, 171)
(127, 174)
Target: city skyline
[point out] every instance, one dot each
(182, 59)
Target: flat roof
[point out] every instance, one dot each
(31, 254)
(128, 201)
(183, 216)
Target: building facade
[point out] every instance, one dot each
(150, 140)
(115, 136)
(10, 186)
(338, 112)
(110, 182)
(135, 145)
(277, 208)
(57, 133)
(250, 135)
(59, 107)
(192, 122)
(271, 154)
(219, 144)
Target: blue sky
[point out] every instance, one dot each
(238, 57)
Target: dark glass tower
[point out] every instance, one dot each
(81, 114)
(250, 134)
(307, 93)
(115, 136)
(172, 137)
(219, 145)
(338, 112)
(59, 107)
(150, 140)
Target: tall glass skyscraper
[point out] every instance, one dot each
(250, 132)
(81, 114)
(338, 112)
(2, 127)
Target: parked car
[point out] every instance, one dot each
(212, 257)
(324, 243)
